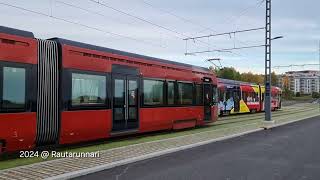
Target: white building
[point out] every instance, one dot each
(304, 82)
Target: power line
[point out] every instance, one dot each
(258, 4)
(245, 43)
(136, 17)
(296, 65)
(83, 9)
(226, 49)
(86, 10)
(101, 3)
(80, 24)
(243, 12)
(220, 34)
(177, 16)
(226, 33)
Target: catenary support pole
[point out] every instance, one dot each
(267, 103)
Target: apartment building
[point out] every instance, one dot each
(304, 82)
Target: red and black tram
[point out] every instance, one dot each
(58, 91)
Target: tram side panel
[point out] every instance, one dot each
(18, 59)
(84, 118)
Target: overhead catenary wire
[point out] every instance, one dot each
(225, 33)
(83, 9)
(102, 3)
(80, 24)
(88, 10)
(178, 16)
(243, 12)
(258, 4)
(296, 65)
(226, 49)
(197, 24)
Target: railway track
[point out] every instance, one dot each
(251, 117)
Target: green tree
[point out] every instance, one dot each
(232, 73)
(315, 95)
(253, 78)
(274, 79)
(228, 73)
(287, 94)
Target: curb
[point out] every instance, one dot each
(289, 122)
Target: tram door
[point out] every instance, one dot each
(125, 102)
(237, 98)
(207, 89)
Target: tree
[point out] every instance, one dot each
(315, 95)
(274, 79)
(253, 78)
(228, 73)
(233, 74)
(287, 94)
(285, 81)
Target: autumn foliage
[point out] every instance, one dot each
(232, 73)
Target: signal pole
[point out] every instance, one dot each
(267, 103)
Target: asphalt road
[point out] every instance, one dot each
(290, 152)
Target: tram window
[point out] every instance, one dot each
(229, 95)
(199, 94)
(215, 95)
(153, 92)
(88, 90)
(185, 93)
(254, 97)
(250, 97)
(221, 95)
(245, 96)
(14, 88)
(170, 93)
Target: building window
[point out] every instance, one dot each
(185, 93)
(171, 93)
(88, 90)
(153, 92)
(14, 88)
(199, 94)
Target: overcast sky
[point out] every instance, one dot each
(297, 21)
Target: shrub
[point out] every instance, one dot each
(298, 94)
(287, 94)
(315, 95)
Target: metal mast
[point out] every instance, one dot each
(319, 76)
(267, 103)
(319, 72)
